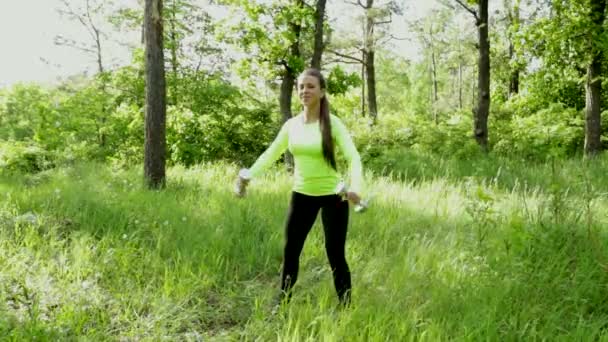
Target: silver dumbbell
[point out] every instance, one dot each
(342, 189)
(240, 188)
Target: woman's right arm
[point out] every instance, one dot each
(272, 153)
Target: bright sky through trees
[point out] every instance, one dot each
(28, 28)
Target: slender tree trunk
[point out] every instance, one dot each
(593, 87)
(435, 96)
(514, 75)
(287, 86)
(371, 87)
(101, 122)
(370, 70)
(483, 101)
(363, 81)
(174, 48)
(434, 71)
(460, 84)
(433, 64)
(289, 80)
(319, 44)
(155, 143)
(98, 44)
(100, 69)
(514, 79)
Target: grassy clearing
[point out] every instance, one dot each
(463, 251)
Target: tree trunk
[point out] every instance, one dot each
(460, 84)
(483, 79)
(593, 87)
(100, 69)
(102, 87)
(287, 86)
(363, 103)
(433, 64)
(435, 96)
(370, 70)
(98, 44)
(289, 80)
(434, 71)
(514, 79)
(155, 144)
(514, 74)
(371, 87)
(174, 48)
(319, 44)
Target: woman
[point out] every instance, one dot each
(310, 137)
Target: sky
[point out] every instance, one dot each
(28, 29)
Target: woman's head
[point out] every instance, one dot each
(311, 90)
(311, 87)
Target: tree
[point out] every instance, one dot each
(319, 44)
(571, 42)
(431, 32)
(375, 15)
(513, 15)
(89, 18)
(593, 84)
(187, 40)
(271, 35)
(290, 73)
(155, 141)
(482, 111)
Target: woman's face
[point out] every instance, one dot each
(309, 90)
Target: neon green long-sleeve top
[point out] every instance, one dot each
(312, 174)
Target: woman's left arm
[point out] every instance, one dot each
(346, 145)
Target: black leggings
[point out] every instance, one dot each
(302, 214)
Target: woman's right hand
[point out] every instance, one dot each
(240, 188)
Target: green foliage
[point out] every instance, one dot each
(24, 157)
(26, 109)
(234, 133)
(547, 86)
(339, 81)
(395, 88)
(266, 36)
(554, 131)
(449, 137)
(377, 144)
(214, 120)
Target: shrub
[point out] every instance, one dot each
(24, 157)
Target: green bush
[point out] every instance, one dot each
(237, 134)
(553, 131)
(24, 157)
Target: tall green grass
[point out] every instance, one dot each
(470, 251)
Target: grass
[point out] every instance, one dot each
(453, 250)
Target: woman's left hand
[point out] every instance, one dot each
(353, 197)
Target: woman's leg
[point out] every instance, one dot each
(302, 213)
(335, 224)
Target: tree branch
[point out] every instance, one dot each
(61, 41)
(383, 22)
(70, 12)
(358, 3)
(351, 58)
(339, 60)
(469, 9)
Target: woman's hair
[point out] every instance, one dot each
(324, 119)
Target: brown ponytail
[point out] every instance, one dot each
(324, 120)
(328, 142)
